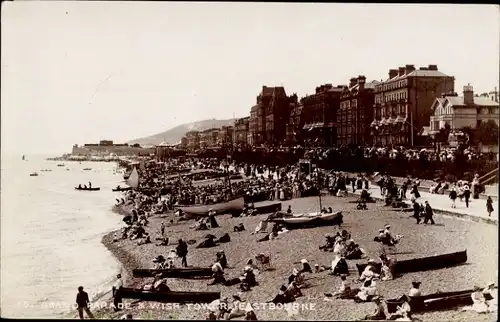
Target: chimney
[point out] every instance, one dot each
(393, 73)
(401, 71)
(317, 90)
(409, 69)
(361, 82)
(468, 95)
(352, 82)
(433, 67)
(328, 86)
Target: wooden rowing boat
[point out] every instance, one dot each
(436, 301)
(88, 189)
(184, 272)
(266, 207)
(219, 208)
(424, 263)
(122, 189)
(310, 220)
(169, 297)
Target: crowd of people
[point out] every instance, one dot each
(163, 186)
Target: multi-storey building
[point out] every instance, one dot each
(209, 138)
(295, 122)
(401, 107)
(241, 127)
(225, 138)
(462, 111)
(356, 112)
(184, 142)
(193, 140)
(320, 113)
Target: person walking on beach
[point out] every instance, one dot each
(467, 196)
(416, 211)
(117, 299)
(428, 213)
(489, 206)
(453, 197)
(82, 300)
(182, 251)
(162, 229)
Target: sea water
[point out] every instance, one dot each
(51, 235)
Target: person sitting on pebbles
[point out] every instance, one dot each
(388, 267)
(282, 296)
(330, 243)
(369, 271)
(306, 268)
(235, 310)
(217, 273)
(248, 279)
(221, 258)
(160, 262)
(367, 293)
(381, 312)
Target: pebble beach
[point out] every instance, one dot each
(448, 235)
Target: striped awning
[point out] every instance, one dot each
(374, 123)
(306, 126)
(392, 120)
(383, 121)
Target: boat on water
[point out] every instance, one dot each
(180, 272)
(24, 157)
(424, 263)
(46, 170)
(436, 301)
(122, 189)
(87, 169)
(61, 165)
(34, 174)
(169, 297)
(313, 219)
(88, 189)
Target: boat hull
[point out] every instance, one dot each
(436, 301)
(122, 189)
(310, 221)
(423, 264)
(87, 189)
(175, 272)
(169, 297)
(266, 207)
(219, 208)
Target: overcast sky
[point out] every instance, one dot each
(77, 72)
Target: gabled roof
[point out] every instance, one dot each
(478, 101)
(427, 73)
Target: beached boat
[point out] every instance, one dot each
(435, 301)
(219, 208)
(181, 272)
(266, 207)
(122, 189)
(34, 174)
(424, 263)
(169, 297)
(313, 219)
(88, 189)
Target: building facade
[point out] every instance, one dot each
(226, 134)
(269, 116)
(462, 111)
(193, 140)
(209, 138)
(355, 112)
(319, 114)
(401, 107)
(241, 128)
(295, 124)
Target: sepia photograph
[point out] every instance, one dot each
(275, 161)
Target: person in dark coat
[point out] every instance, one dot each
(453, 196)
(428, 213)
(467, 196)
(489, 206)
(82, 300)
(211, 218)
(182, 251)
(416, 211)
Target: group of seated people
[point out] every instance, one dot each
(296, 281)
(385, 236)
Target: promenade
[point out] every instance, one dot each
(441, 204)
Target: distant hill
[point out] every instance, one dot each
(174, 135)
